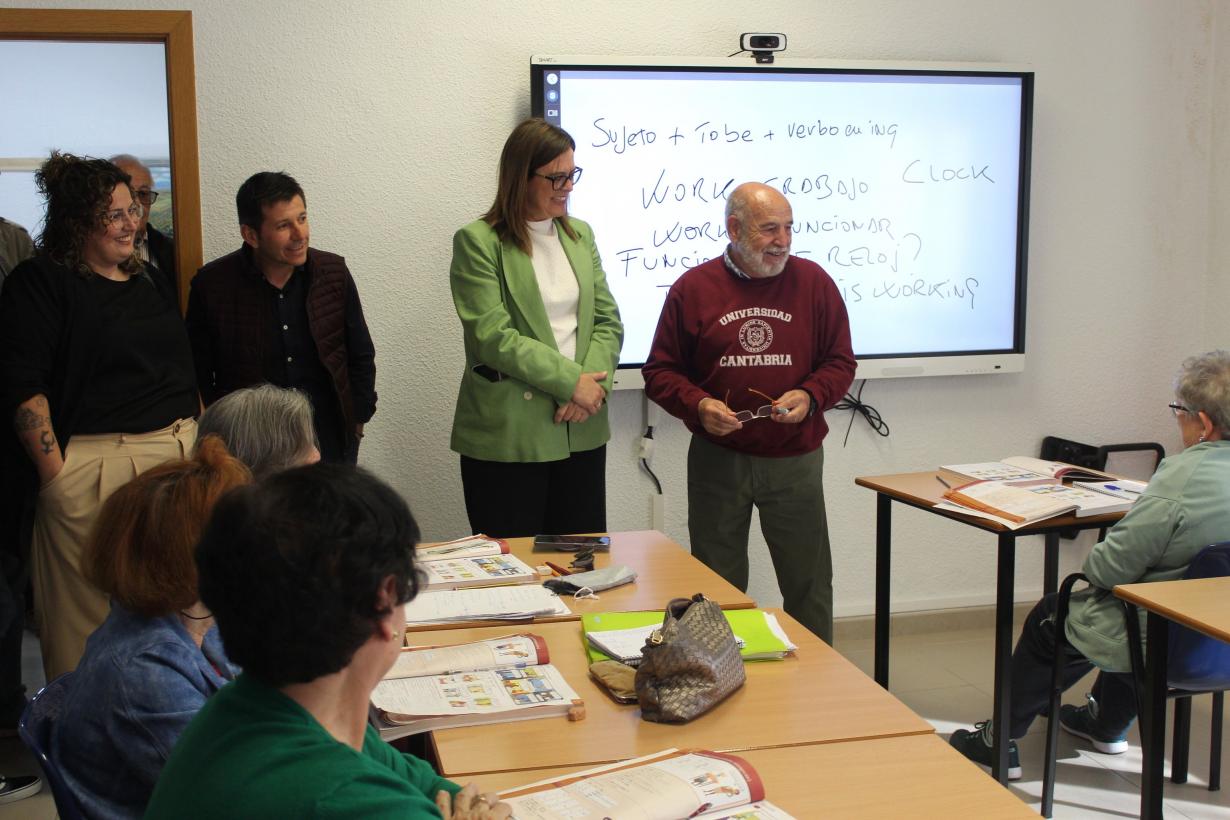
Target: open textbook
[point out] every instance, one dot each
(516, 603)
(482, 571)
(471, 546)
(493, 681)
(669, 785)
(1017, 503)
(1016, 468)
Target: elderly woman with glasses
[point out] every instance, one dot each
(542, 338)
(97, 382)
(1185, 507)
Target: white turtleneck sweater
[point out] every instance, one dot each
(557, 283)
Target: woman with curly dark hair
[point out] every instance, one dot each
(96, 375)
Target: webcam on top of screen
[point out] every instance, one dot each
(762, 44)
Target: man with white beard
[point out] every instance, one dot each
(750, 350)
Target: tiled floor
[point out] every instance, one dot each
(946, 678)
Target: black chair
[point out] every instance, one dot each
(1106, 457)
(1196, 665)
(35, 730)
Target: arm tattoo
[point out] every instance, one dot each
(25, 420)
(48, 441)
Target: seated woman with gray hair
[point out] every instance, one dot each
(1185, 507)
(268, 428)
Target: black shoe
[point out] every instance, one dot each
(19, 787)
(1082, 721)
(976, 745)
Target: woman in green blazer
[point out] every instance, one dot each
(542, 339)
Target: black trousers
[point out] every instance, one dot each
(511, 499)
(1032, 662)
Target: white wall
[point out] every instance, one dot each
(392, 113)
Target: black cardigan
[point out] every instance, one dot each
(50, 328)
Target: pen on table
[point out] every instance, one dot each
(942, 481)
(558, 569)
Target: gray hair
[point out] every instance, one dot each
(268, 428)
(1203, 385)
(128, 159)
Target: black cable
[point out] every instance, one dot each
(645, 463)
(855, 405)
(737, 53)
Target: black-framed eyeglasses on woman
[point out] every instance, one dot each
(1177, 408)
(558, 180)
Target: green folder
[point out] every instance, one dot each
(749, 624)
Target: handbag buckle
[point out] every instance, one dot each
(655, 638)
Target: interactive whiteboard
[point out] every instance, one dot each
(909, 185)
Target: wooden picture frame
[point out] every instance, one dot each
(174, 30)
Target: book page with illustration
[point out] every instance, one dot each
(509, 651)
(669, 785)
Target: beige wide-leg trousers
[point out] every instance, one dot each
(69, 608)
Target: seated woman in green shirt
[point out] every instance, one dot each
(307, 576)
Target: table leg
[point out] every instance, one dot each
(1153, 725)
(1004, 584)
(884, 554)
(1050, 564)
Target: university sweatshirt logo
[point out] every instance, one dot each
(755, 336)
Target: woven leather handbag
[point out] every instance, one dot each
(690, 664)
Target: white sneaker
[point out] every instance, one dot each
(19, 787)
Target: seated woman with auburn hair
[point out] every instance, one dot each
(157, 658)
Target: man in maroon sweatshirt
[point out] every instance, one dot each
(750, 350)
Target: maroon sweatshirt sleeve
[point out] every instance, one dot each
(832, 379)
(667, 372)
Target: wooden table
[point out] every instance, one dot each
(1202, 604)
(922, 491)
(664, 570)
(893, 777)
(816, 697)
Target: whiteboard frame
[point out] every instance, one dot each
(628, 377)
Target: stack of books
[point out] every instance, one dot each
(516, 603)
(473, 561)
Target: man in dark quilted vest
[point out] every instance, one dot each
(279, 311)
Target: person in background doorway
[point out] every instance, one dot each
(155, 249)
(15, 247)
